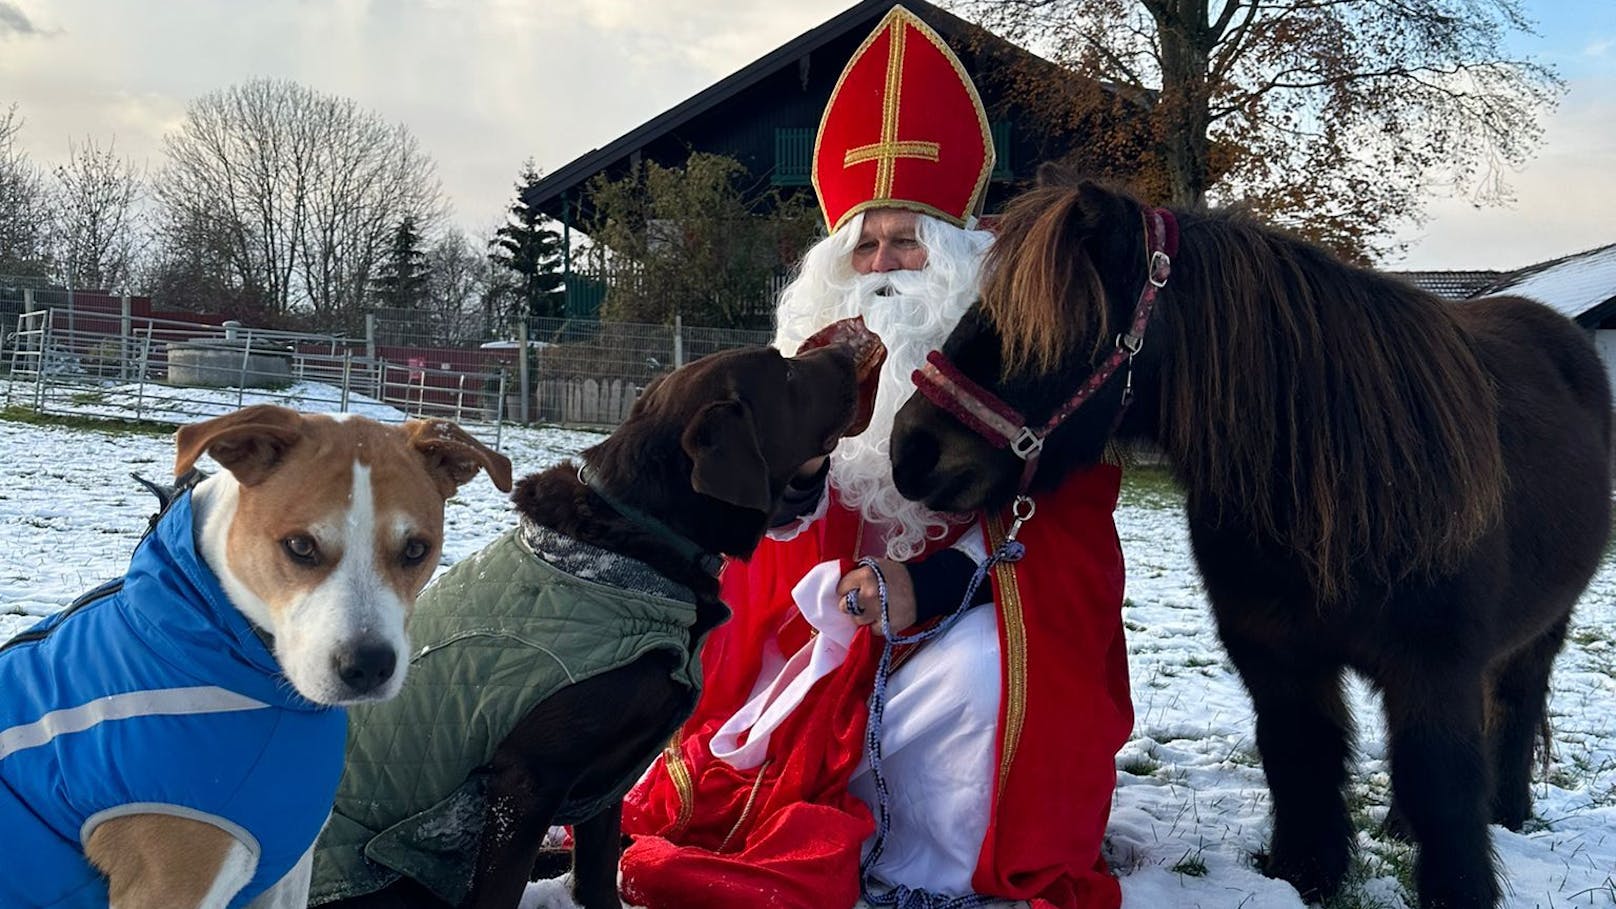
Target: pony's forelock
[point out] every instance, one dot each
(1041, 292)
(1339, 412)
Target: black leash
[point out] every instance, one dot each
(710, 562)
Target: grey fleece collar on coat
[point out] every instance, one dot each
(592, 563)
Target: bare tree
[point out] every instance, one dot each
(24, 213)
(457, 279)
(297, 191)
(97, 233)
(1338, 118)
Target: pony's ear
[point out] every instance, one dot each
(1055, 173)
(726, 457)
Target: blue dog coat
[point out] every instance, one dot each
(154, 696)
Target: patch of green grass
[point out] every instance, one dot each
(1150, 486)
(1140, 765)
(1245, 756)
(88, 397)
(1586, 636)
(1396, 860)
(99, 424)
(1191, 865)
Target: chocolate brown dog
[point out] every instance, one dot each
(526, 713)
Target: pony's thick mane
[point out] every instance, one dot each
(1338, 412)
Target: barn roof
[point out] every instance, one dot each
(1454, 285)
(737, 91)
(1581, 286)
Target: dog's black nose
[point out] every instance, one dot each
(366, 667)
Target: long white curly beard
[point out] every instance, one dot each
(913, 313)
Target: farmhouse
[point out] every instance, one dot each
(766, 115)
(1581, 286)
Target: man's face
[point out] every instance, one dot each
(888, 242)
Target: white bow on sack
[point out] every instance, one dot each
(815, 596)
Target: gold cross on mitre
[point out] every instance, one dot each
(888, 150)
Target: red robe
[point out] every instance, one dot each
(788, 833)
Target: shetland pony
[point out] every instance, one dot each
(1375, 478)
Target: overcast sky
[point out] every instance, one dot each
(485, 84)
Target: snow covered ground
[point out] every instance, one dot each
(1191, 803)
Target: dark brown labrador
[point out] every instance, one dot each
(707, 451)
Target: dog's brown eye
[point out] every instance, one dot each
(302, 549)
(415, 551)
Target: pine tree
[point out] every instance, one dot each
(530, 247)
(401, 278)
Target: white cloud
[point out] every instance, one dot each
(1564, 197)
(484, 84)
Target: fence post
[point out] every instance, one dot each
(347, 372)
(125, 328)
(678, 340)
(145, 359)
(44, 356)
(499, 413)
(27, 299)
(246, 352)
(370, 335)
(521, 367)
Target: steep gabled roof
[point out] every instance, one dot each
(858, 19)
(1581, 286)
(1452, 285)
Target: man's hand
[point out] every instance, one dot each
(900, 595)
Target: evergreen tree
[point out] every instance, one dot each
(530, 247)
(401, 278)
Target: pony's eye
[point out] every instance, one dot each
(302, 549)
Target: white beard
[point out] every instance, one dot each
(913, 313)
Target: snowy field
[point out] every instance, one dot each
(1191, 804)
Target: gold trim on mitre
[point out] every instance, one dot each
(895, 19)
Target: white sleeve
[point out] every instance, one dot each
(974, 543)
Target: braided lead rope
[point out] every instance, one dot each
(901, 896)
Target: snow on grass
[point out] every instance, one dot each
(158, 403)
(1191, 805)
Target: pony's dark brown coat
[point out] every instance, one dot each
(1374, 479)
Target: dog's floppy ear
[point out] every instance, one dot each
(249, 443)
(452, 456)
(727, 461)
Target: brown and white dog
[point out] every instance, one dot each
(321, 532)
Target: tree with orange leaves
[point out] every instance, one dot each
(1336, 118)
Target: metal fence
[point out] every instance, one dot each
(132, 367)
(110, 363)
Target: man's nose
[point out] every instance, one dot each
(886, 259)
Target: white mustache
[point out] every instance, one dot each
(892, 284)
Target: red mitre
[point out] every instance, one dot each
(904, 129)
